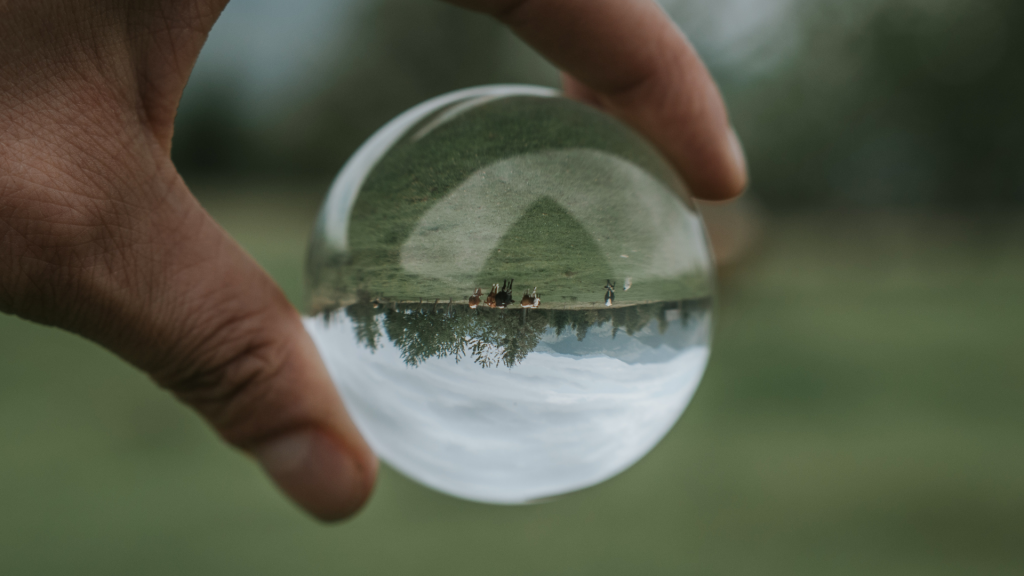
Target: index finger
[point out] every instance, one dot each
(628, 58)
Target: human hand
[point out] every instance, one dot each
(99, 235)
(628, 58)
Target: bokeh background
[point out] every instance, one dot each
(863, 412)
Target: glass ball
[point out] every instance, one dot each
(512, 292)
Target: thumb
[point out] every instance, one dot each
(236, 351)
(260, 382)
(158, 282)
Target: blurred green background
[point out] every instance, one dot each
(862, 410)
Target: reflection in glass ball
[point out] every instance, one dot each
(510, 294)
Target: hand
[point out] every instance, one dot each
(99, 235)
(628, 58)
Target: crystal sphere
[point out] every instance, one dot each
(512, 292)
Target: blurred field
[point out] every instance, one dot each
(861, 415)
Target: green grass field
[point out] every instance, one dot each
(564, 201)
(861, 415)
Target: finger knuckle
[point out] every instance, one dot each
(231, 377)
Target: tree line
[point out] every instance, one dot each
(493, 337)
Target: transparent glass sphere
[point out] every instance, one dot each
(512, 292)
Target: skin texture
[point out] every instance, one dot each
(99, 235)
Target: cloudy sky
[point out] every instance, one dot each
(553, 424)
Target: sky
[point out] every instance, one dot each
(552, 424)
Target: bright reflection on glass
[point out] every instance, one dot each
(510, 293)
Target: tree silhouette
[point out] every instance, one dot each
(493, 337)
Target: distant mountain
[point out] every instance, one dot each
(646, 346)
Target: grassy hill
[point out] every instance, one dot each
(545, 191)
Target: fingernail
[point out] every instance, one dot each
(739, 157)
(317, 472)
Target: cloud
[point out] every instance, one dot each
(553, 424)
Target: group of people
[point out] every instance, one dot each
(501, 297)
